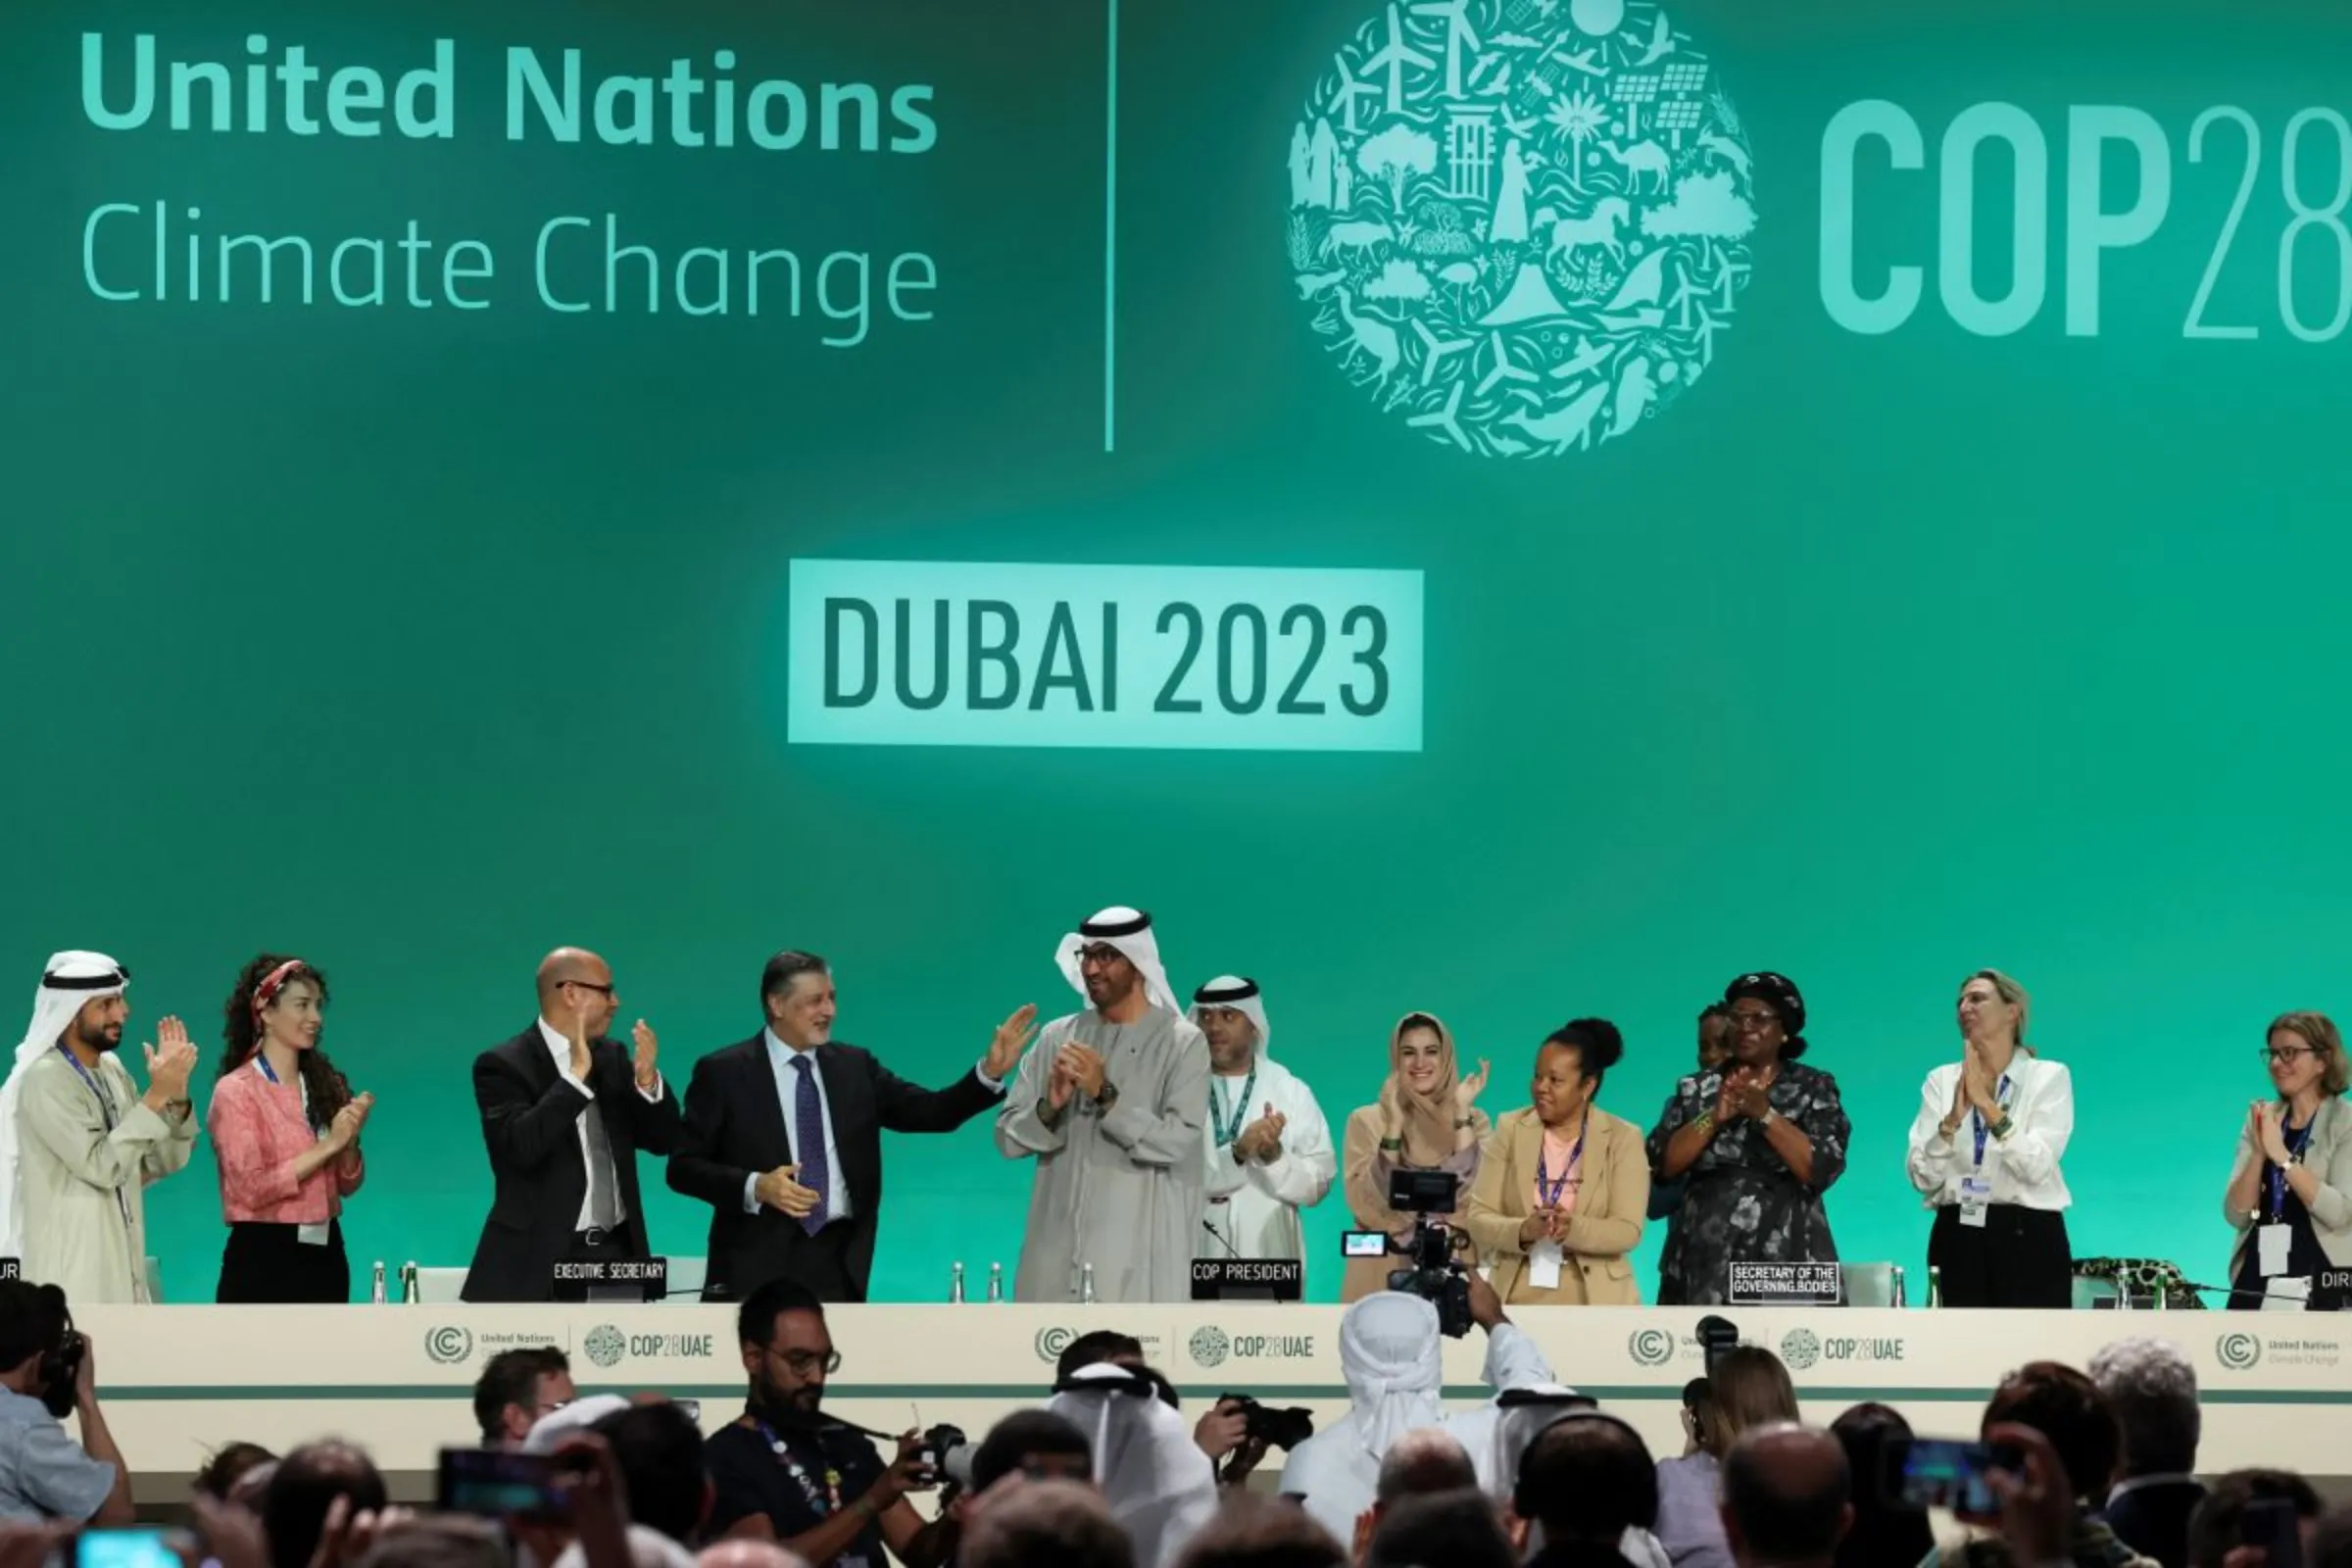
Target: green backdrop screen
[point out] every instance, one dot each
(1520, 509)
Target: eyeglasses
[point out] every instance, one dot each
(802, 1362)
(590, 985)
(2287, 1054)
(1754, 1020)
(1099, 955)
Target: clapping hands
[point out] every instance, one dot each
(170, 1063)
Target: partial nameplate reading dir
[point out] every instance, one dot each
(943, 653)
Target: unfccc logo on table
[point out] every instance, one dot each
(449, 1344)
(2237, 1351)
(1520, 225)
(1050, 1343)
(1650, 1348)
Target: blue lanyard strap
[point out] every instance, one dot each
(106, 1115)
(2296, 1144)
(2000, 1094)
(1546, 1187)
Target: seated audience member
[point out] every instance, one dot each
(1784, 1491)
(2152, 1388)
(303, 1490)
(1162, 1488)
(1585, 1483)
(517, 1389)
(1748, 1388)
(1221, 1433)
(1252, 1532)
(2217, 1529)
(659, 1448)
(1428, 1459)
(1458, 1529)
(229, 1465)
(1037, 1443)
(2067, 1408)
(44, 1474)
(1044, 1524)
(1885, 1531)
(438, 1541)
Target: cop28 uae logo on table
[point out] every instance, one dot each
(1520, 225)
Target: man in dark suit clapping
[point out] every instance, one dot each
(564, 1112)
(783, 1138)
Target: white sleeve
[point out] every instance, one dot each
(1931, 1160)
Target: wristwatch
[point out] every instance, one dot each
(1108, 1097)
(1768, 1119)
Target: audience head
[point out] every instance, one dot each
(439, 1540)
(1252, 1532)
(659, 1449)
(1427, 1459)
(1589, 1477)
(1785, 1491)
(1096, 1348)
(1043, 1523)
(787, 1349)
(1748, 1387)
(1037, 1443)
(2152, 1388)
(2065, 1406)
(230, 1464)
(1455, 1529)
(1885, 1529)
(32, 1322)
(304, 1486)
(2218, 1527)
(517, 1389)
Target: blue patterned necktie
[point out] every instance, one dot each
(809, 1137)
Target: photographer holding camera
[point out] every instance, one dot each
(47, 1373)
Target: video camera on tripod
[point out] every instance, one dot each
(1432, 1272)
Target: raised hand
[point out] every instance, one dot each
(344, 1130)
(2270, 1121)
(1391, 1114)
(581, 1061)
(1059, 1085)
(170, 1063)
(1467, 1091)
(778, 1190)
(1011, 1042)
(1263, 1138)
(643, 1061)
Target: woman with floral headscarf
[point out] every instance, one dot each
(1426, 1118)
(1760, 1143)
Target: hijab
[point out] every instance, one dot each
(1428, 1118)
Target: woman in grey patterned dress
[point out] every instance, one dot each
(1759, 1144)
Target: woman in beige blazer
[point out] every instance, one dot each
(2294, 1176)
(1563, 1186)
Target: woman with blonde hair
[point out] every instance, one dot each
(1985, 1150)
(2291, 1193)
(1426, 1119)
(1748, 1387)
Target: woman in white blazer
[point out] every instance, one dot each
(2291, 1193)
(1985, 1150)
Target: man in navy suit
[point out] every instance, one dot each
(783, 1138)
(564, 1112)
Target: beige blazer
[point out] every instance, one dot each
(2330, 1156)
(1605, 1227)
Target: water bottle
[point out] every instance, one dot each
(409, 1288)
(1935, 1287)
(996, 1282)
(1901, 1296)
(377, 1293)
(1086, 1283)
(955, 1286)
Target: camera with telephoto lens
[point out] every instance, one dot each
(1433, 1273)
(1285, 1429)
(948, 1453)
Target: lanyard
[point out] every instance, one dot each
(261, 1065)
(2295, 1144)
(1546, 1187)
(826, 1503)
(2000, 1096)
(106, 1115)
(1226, 1130)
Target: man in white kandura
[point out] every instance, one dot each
(1270, 1148)
(79, 1143)
(1111, 1102)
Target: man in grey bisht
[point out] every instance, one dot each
(1111, 1102)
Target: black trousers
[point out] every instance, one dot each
(2019, 1257)
(266, 1263)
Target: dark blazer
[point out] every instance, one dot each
(531, 1125)
(2153, 1519)
(735, 1127)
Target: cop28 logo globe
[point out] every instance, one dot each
(1520, 225)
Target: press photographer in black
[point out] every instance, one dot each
(814, 1486)
(50, 1373)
